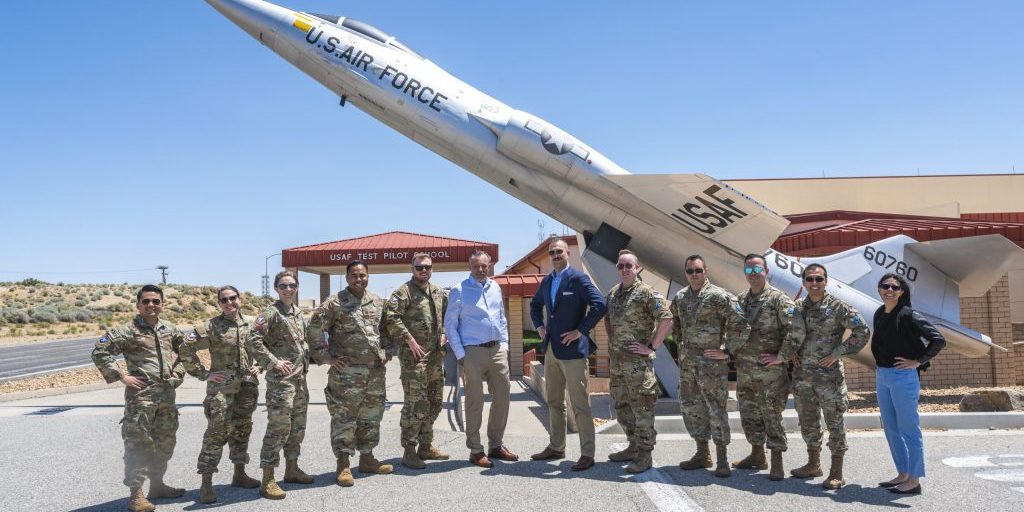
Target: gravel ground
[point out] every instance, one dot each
(932, 400)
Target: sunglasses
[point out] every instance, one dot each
(621, 266)
(692, 271)
(147, 302)
(893, 287)
(553, 252)
(814, 279)
(225, 300)
(421, 268)
(756, 269)
(288, 286)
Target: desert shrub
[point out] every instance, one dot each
(31, 282)
(15, 315)
(81, 303)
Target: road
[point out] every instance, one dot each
(20, 361)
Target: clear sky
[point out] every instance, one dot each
(139, 133)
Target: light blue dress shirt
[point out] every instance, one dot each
(475, 315)
(556, 281)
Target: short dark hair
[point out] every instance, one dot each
(354, 263)
(283, 274)
(421, 256)
(695, 257)
(227, 287)
(478, 253)
(753, 256)
(149, 288)
(905, 298)
(813, 266)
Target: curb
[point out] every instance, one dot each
(43, 393)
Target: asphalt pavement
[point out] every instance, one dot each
(19, 361)
(64, 453)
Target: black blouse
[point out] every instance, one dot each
(904, 333)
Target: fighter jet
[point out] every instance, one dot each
(663, 218)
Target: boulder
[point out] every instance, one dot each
(992, 400)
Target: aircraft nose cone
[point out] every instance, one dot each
(253, 16)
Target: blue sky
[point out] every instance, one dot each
(139, 133)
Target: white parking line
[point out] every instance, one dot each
(666, 495)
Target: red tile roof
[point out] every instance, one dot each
(519, 285)
(824, 233)
(397, 246)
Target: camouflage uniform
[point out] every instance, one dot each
(816, 389)
(419, 312)
(758, 388)
(708, 319)
(228, 405)
(355, 394)
(150, 420)
(279, 333)
(633, 315)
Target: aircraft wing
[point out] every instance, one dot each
(708, 207)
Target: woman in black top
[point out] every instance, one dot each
(903, 342)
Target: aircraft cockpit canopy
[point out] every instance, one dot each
(367, 30)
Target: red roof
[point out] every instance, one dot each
(391, 247)
(823, 233)
(519, 285)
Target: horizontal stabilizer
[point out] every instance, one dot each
(975, 263)
(708, 207)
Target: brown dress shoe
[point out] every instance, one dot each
(586, 462)
(481, 460)
(502, 453)
(548, 454)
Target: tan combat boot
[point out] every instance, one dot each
(158, 489)
(753, 461)
(269, 488)
(411, 459)
(641, 463)
(344, 476)
(138, 503)
(701, 459)
(777, 472)
(835, 473)
(813, 466)
(294, 475)
(206, 494)
(722, 454)
(427, 451)
(369, 464)
(628, 453)
(240, 479)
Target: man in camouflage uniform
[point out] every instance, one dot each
(355, 389)
(708, 325)
(414, 314)
(232, 390)
(637, 323)
(769, 312)
(278, 342)
(819, 384)
(150, 424)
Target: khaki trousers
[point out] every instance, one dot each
(486, 364)
(571, 374)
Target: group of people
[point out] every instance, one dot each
(777, 345)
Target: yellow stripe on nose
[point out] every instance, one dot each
(302, 25)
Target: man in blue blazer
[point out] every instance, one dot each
(564, 311)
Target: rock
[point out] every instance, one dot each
(992, 400)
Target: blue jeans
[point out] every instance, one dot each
(898, 394)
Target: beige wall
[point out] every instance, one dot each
(981, 193)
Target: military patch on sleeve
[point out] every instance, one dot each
(790, 311)
(855, 320)
(394, 299)
(658, 295)
(192, 336)
(260, 322)
(738, 308)
(104, 340)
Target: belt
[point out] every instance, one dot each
(488, 344)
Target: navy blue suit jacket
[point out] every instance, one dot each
(580, 306)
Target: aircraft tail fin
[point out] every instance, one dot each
(939, 271)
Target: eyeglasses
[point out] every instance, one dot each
(288, 286)
(225, 300)
(692, 271)
(814, 279)
(756, 269)
(893, 287)
(621, 266)
(421, 268)
(553, 252)
(147, 302)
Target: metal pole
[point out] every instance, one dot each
(163, 273)
(266, 274)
